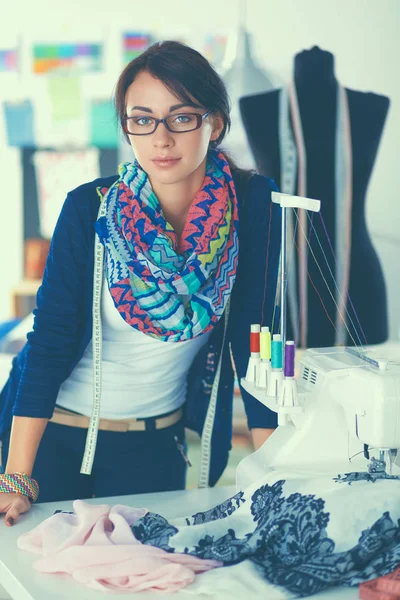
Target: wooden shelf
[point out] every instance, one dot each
(23, 297)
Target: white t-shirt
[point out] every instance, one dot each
(141, 376)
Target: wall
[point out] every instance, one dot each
(362, 34)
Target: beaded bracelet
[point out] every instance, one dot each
(19, 483)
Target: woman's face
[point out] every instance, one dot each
(148, 97)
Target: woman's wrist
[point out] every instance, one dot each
(19, 483)
(26, 434)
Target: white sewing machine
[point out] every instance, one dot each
(343, 412)
(345, 417)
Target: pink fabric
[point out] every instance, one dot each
(96, 546)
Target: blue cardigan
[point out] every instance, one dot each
(63, 318)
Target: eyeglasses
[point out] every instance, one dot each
(181, 123)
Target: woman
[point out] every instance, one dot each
(181, 241)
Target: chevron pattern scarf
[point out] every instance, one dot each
(171, 291)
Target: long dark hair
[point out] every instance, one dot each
(187, 75)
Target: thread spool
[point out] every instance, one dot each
(255, 339)
(265, 343)
(276, 352)
(290, 350)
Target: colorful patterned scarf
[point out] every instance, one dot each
(148, 272)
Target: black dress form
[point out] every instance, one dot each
(316, 86)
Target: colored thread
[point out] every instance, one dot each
(255, 339)
(266, 266)
(291, 260)
(330, 293)
(265, 343)
(275, 304)
(19, 483)
(290, 350)
(318, 294)
(276, 352)
(338, 290)
(348, 295)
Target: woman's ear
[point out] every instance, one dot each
(218, 125)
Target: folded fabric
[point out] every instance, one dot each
(300, 534)
(97, 547)
(236, 582)
(383, 588)
(303, 534)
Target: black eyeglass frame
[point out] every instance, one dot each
(200, 119)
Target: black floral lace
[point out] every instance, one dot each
(289, 543)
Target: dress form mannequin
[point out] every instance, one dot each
(316, 87)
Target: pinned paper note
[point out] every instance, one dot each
(214, 49)
(103, 125)
(65, 97)
(57, 173)
(19, 123)
(9, 60)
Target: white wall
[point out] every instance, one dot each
(362, 34)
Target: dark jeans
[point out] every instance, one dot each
(133, 462)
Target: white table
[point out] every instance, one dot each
(22, 582)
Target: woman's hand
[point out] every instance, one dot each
(13, 505)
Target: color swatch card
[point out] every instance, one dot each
(134, 44)
(67, 58)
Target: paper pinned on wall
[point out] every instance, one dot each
(134, 43)
(103, 125)
(65, 97)
(9, 60)
(53, 132)
(214, 49)
(19, 123)
(57, 173)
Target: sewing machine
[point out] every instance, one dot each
(342, 413)
(343, 417)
